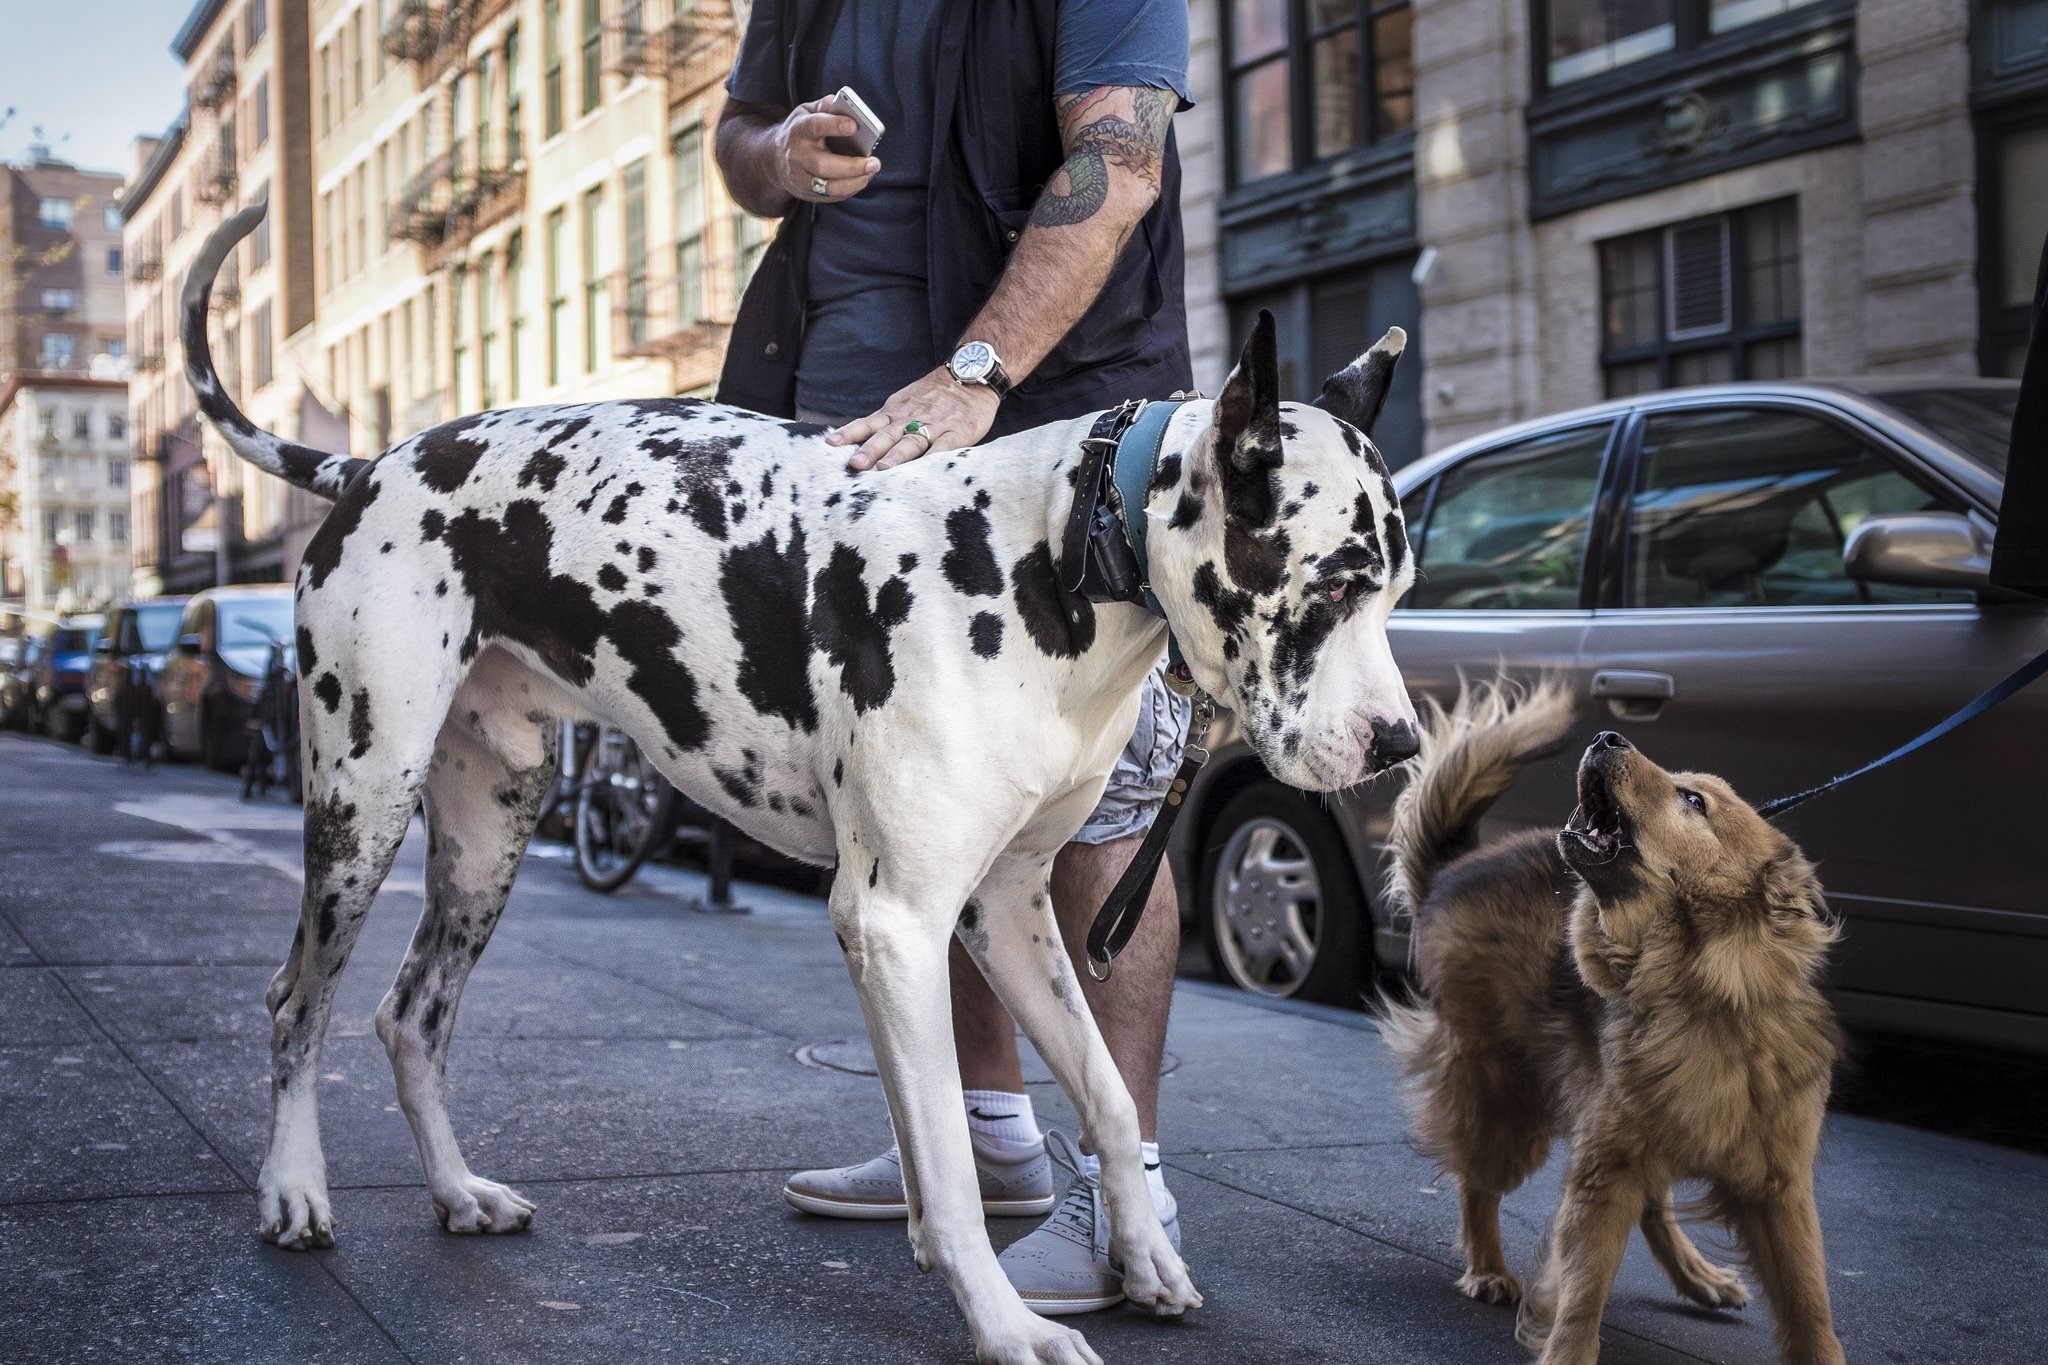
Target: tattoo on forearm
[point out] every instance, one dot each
(1136, 144)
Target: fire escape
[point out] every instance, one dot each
(465, 186)
(684, 316)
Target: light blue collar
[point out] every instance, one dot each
(1137, 455)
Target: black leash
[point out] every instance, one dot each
(1100, 561)
(2018, 679)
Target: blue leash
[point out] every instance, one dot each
(2014, 682)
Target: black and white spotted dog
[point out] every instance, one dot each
(877, 671)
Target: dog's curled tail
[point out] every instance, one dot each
(1470, 755)
(316, 471)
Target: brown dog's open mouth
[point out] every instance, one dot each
(1596, 832)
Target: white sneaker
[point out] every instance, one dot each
(1011, 1186)
(1063, 1266)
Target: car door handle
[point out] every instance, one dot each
(1634, 693)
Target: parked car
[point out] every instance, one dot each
(215, 668)
(57, 683)
(1774, 582)
(136, 633)
(17, 661)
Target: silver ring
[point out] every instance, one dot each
(819, 187)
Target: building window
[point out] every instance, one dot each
(110, 218)
(515, 307)
(357, 43)
(326, 89)
(551, 59)
(81, 426)
(515, 147)
(60, 350)
(2013, 198)
(1703, 301)
(259, 240)
(82, 526)
(487, 326)
(117, 429)
(117, 470)
(114, 347)
(593, 42)
(1584, 38)
(458, 370)
(177, 212)
(59, 300)
(56, 213)
(362, 191)
(691, 216)
(485, 82)
(1312, 79)
(593, 276)
(633, 205)
(52, 523)
(117, 527)
(558, 293)
(260, 109)
(259, 323)
(259, 21)
(113, 260)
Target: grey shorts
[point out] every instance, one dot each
(1145, 768)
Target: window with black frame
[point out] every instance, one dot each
(1583, 38)
(2014, 207)
(1702, 302)
(1312, 79)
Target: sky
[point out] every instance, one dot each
(92, 73)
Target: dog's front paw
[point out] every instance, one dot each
(293, 1213)
(1156, 1279)
(1035, 1341)
(475, 1205)
(1488, 1287)
(1713, 1286)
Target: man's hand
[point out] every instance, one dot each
(954, 415)
(771, 160)
(802, 159)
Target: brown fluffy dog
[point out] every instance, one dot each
(1642, 984)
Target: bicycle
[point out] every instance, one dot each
(273, 750)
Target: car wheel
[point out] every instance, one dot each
(97, 736)
(1285, 916)
(214, 750)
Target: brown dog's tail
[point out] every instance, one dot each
(1470, 755)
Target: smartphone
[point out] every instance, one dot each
(868, 128)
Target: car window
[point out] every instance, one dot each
(1508, 528)
(1752, 506)
(253, 622)
(158, 626)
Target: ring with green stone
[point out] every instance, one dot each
(916, 428)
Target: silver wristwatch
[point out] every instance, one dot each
(977, 363)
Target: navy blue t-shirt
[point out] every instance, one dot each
(869, 328)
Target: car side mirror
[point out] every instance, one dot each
(189, 646)
(1920, 550)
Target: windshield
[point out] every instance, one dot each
(1976, 422)
(158, 626)
(244, 621)
(72, 640)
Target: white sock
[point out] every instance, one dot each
(1155, 1177)
(1001, 1120)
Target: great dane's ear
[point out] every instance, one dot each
(1357, 392)
(1247, 426)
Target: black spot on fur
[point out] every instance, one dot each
(432, 524)
(853, 635)
(985, 633)
(307, 659)
(328, 690)
(518, 597)
(1255, 560)
(646, 559)
(323, 552)
(764, 586)
(875, 872)
(863, 498)
(610, 579)
(970, 561)
(838, 772)
(1187, 510)
(744, 785)
(543, 467)
(1165, 474)
(327, 926)
(905, 563)
(1045, 609)
(331, 836)
(616, 513)
(1397, 541)
(1226, 607)
(447, 454)
(646, 638)
(359, 723)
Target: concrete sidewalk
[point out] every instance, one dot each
(648, 1076)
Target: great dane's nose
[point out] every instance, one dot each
(1607, 739)
(1394, 742)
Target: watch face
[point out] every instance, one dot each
(972, 362)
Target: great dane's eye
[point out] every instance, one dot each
(1337, 593)
(1693, 799)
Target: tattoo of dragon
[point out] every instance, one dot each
(1100, 139)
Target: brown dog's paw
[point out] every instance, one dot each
(1714, 1286)
(1490, 1288)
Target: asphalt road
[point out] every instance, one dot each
(648, 1075)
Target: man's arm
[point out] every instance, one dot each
(1115, 138)
(772, 158)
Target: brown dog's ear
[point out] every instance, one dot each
(1792, 890)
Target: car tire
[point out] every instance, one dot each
(98, 737)
(1282, 912)
(215, 751)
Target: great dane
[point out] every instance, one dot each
(878, 672)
